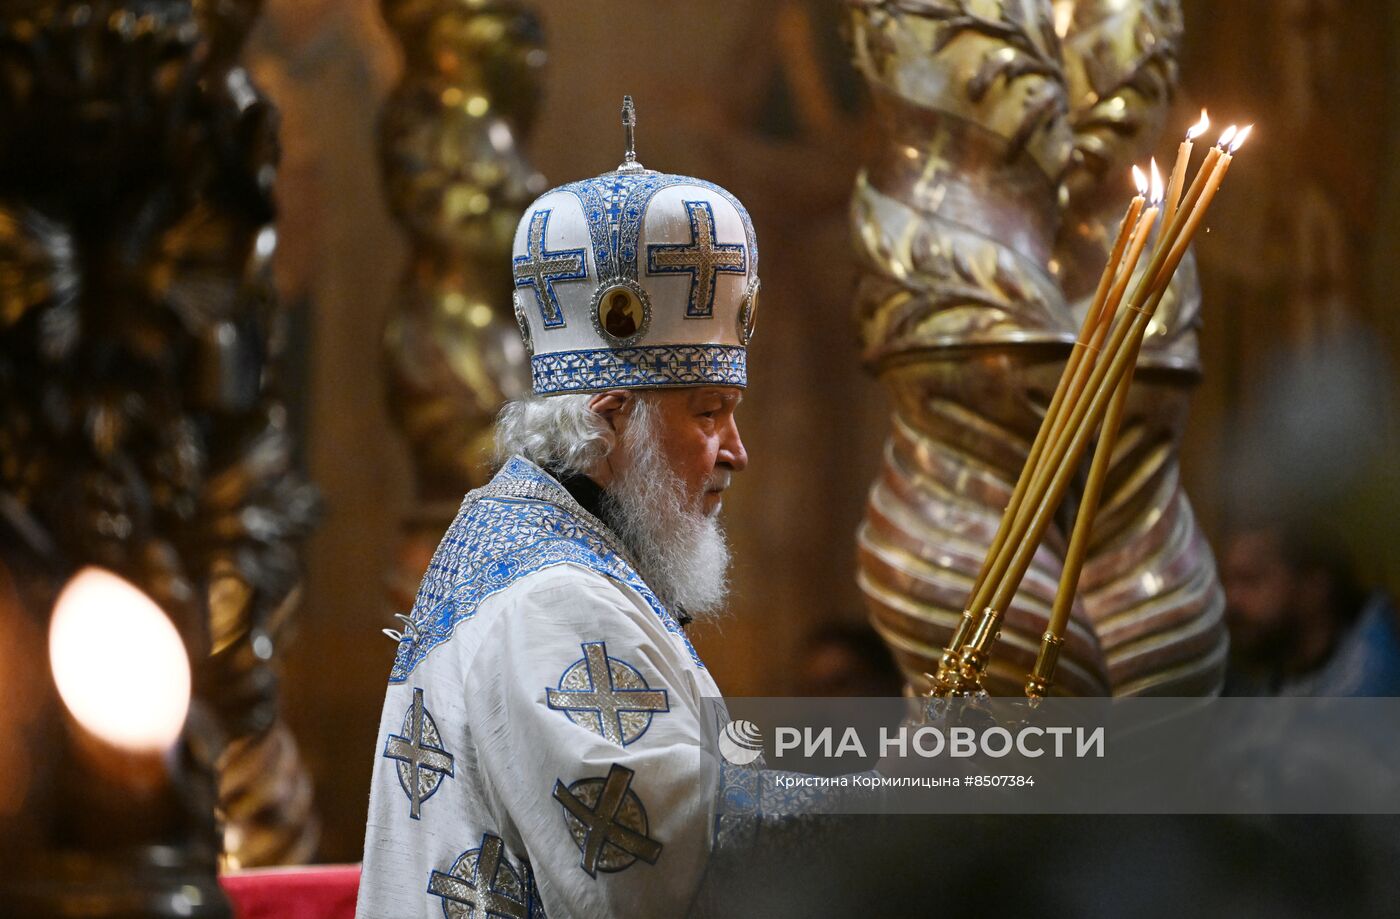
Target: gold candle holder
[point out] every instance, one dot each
(1038, 680)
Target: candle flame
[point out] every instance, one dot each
(118, 662)
(1239, 140)
(1158, 192)
(1228, 136)
(1199, 128)
(1140, 180)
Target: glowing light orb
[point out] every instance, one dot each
(118, 662)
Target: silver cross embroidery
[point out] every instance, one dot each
(471, 883)
(703, 258)
(541, 267)
(607, 813)
(422, 762)
(607, 690)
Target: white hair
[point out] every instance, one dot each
(555, 432)
(680, 551)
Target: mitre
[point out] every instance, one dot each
(635, 279)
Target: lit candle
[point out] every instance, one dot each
(1077, 422)
(1063, 454)
(1173, 248)
(1066, 392)
(1125, 271)
(1183, 159)
(1223, 154)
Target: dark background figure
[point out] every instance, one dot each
(1301, 623)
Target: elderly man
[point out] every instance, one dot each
(546, 743)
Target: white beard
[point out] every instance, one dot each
(680, 552)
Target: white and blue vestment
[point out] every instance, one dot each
(546, 741)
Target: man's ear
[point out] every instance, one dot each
(611, 405)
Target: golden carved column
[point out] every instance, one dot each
(458, 182)
(140, 426)
(1008, 127)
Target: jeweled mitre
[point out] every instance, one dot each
(635, 279)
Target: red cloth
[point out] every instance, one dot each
(312, 892)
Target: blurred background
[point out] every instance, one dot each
(1299, 341)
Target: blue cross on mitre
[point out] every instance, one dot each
(540, 267)
(703, 258)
